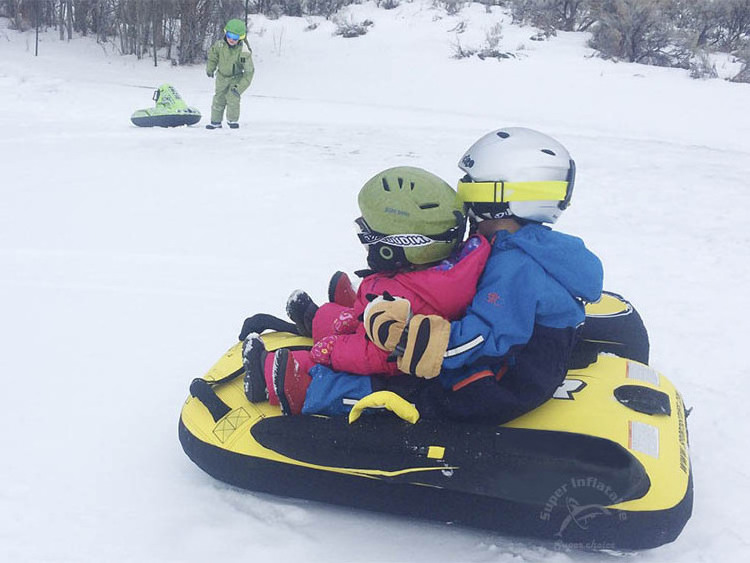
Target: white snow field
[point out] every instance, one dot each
(129, 258)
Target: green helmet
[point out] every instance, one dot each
(409, 217)
(236, 28)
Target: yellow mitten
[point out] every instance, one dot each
(426, 342)
(385, 319)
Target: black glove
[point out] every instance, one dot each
(261, 322)
(235, 91)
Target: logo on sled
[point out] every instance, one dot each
(567, 389)
(576, 505)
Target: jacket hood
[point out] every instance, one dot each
(564, 257)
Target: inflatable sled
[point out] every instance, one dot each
(603, 465)
(170, 110)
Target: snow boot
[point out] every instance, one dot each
(301, 310)
(233, 125)
(214, 125)
(291, 380)
(254, 359)
(340, 290)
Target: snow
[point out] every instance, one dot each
(129, 258)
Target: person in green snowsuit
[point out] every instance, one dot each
(232, 61)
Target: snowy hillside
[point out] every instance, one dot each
(129, 258)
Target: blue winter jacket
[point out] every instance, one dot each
(535, 277)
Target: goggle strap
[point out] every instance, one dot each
(571, 183)
(404, 240)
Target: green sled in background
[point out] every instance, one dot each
(170, 110)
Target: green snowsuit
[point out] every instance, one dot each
(234, 72)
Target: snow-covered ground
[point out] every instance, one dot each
(129, 258)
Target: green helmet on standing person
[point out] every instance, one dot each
(235, 29)
(410, 217)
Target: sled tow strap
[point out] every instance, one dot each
(204, 392)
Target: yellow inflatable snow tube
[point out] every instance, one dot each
(604, 464)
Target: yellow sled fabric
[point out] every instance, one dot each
(604, 464)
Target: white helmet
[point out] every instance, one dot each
(516, 172)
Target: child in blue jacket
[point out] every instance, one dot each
(510, 351)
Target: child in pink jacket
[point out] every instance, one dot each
(412, 224)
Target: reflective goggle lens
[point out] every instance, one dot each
(233, 36)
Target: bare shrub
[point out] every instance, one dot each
(735, 23)
(349, 28)
(550, 15)
(638, 32)
(489, 49)
(275, 11)
(325, 8)
(701, 66)
(701, 18)
(493, 36)
(744, 74)
(461, 52)
(388, 4)
(451, 7)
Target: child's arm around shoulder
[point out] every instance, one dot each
(501, 315)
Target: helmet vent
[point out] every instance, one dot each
(386, 187)
(429, 205)
(503, 134)
(549, 151)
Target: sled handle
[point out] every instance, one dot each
(202, 390)
(385, 400)
(263, 321)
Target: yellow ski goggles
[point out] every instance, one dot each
(504, 192)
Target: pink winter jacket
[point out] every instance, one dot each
(445, 289)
